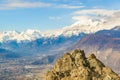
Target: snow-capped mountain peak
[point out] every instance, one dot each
(31, 34)
(8, 35)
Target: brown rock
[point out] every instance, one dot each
(75, 66)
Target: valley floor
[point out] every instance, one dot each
(20, 69)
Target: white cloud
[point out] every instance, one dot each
(102, 17)
(69, 6)
(55, 18)
(12, 4)
(102, 12)
(27, 4)
(81, 18)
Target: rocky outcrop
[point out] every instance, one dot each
(105, 44)
(75, 66)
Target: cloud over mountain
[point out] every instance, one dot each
(101, 17)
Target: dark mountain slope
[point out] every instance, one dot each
(105, 44)
(8, 54)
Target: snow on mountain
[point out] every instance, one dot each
(30, 34)
(85, 26)
(88, 26)
(25, 35)
(8, 35)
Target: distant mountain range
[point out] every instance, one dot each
(101, 40)
(41, 45)
(35, 41)
(68, 31)
(53, 43)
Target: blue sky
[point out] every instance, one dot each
(46, 14)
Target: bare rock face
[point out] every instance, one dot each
(75, 66)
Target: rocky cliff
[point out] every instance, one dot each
(76, 66)
(105, 44)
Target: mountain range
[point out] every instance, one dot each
(22, 41)
(52, 43)
(75, 29)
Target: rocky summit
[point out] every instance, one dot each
(76, 66)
